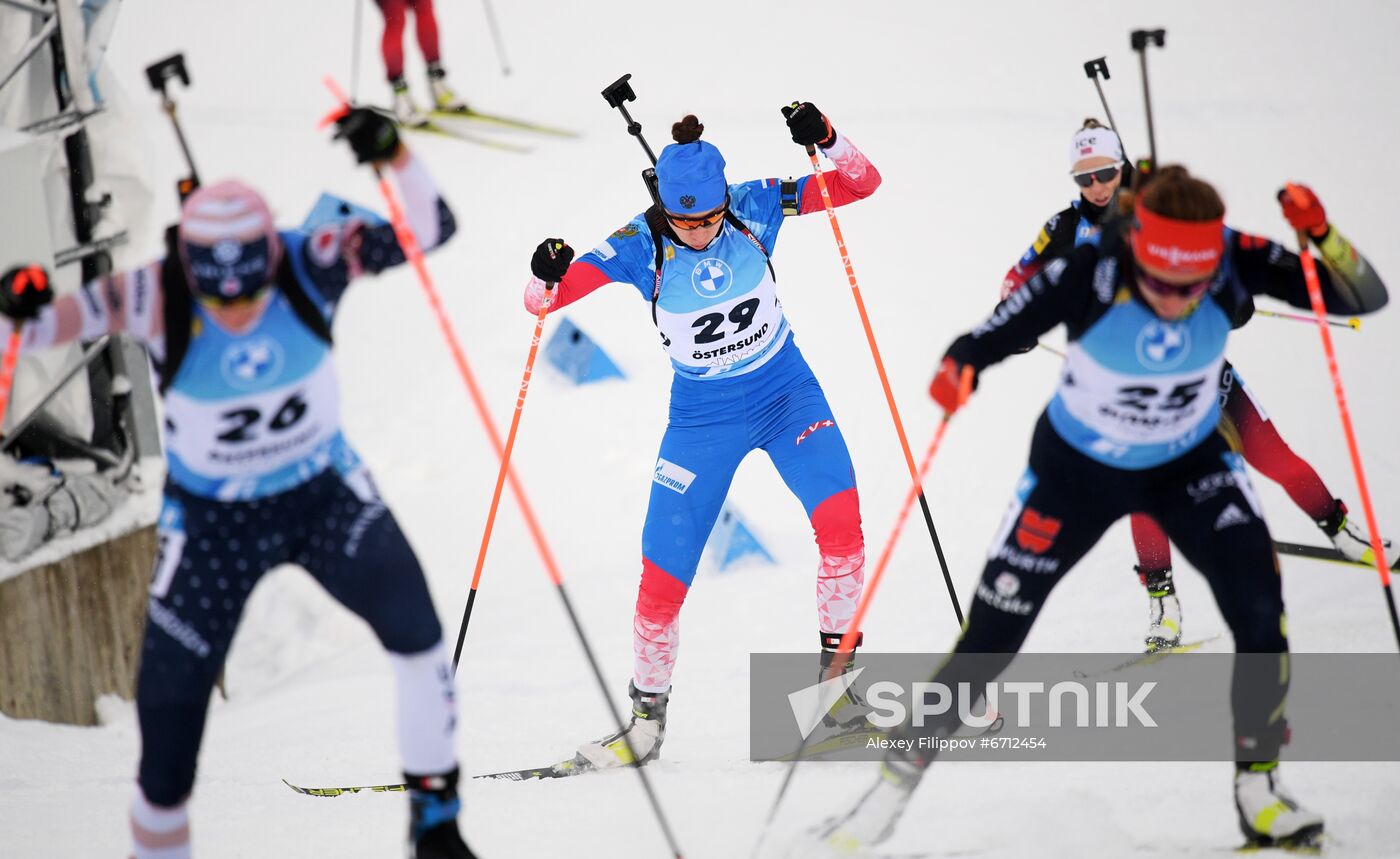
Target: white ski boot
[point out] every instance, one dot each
(640, 742)
(1164, 609)
(405, 110)
(1269, 816)
(443, 96)
(871, 820)
(1348, 536)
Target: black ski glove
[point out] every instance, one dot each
(370, 132)
(24, 291)
(808, 125)
(551, 260)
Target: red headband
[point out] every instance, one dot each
(1179, 247)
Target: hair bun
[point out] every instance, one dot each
(688, 130)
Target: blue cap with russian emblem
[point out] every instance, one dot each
(228, 242)
(690, 172)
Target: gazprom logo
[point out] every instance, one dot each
(711, 277)
(674, 477)
(248, 363)
(1163, 345)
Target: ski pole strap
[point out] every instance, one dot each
(787, 192)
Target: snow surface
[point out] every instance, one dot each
(965, 108)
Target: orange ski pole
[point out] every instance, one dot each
(1320, 312)
(505, 468)
(7, 369)
(414, 253)
(31, 277)
(409, 243)
(852, 634)
(848, 641)
(884, 379)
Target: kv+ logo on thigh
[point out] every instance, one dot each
(711, 277)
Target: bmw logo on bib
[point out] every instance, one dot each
(1163, 345)
(249, 363)
(711, 277)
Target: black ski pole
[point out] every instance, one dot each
(1094, 68)
(496, 37)
(617, 94)
(160, 74)
(1141, 39)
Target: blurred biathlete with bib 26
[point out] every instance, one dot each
(1133, 428)
(237, 319)
(701, 259)
(1098, 167)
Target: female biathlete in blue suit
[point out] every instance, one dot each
(701, 260)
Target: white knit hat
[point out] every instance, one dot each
(1094, 143)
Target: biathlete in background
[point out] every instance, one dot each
(701, 260)
(237, 319)
(1133, 428)
(1098, 167)
(391, 46)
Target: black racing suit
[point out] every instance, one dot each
(1073, 492)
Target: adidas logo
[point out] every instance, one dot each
(1231, 515)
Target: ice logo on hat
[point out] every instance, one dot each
(227, 251)
(1163, 345)
(248, 363)
(711, 277)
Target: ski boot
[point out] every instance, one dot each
(870, 820)
(1164, 611)
(405, 110)
(432, 828)
(1269, 816)
(643, 734)
(1348, 537)
(443, 96)
(845, 723)
(850, 710)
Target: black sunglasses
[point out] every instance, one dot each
(1104, 175)
(1184, 290)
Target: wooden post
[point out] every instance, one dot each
(71, 631)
